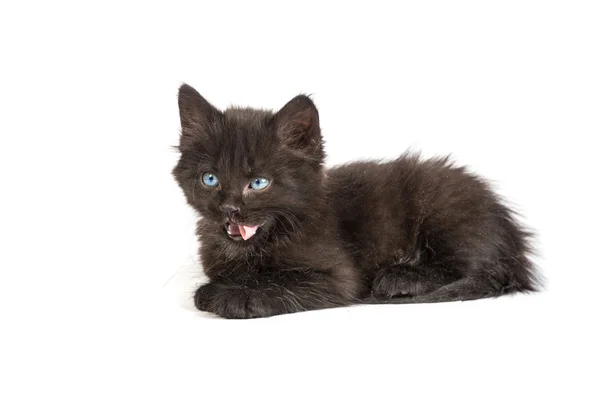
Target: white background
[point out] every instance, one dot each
(97, 247)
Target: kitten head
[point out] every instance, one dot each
(251, 174)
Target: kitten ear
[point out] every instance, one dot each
(297, 124)
(196, 114)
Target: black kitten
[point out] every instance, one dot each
(280, 234)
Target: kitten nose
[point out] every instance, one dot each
(229, 209)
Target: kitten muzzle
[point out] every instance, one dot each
(245, 231)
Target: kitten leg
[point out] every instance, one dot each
(282, 293)
(407, 280)
(204, 295)
(223, 298)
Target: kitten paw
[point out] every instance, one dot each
(234, 302)
(396, 281)
(204, 296)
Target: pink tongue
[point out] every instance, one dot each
(248, 231)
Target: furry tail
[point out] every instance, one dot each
(461, 290)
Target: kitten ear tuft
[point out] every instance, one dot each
(297, 124)
(195, 113)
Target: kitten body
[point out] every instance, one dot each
(408, 230)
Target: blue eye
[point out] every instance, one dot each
(210, 180)
(260, 183)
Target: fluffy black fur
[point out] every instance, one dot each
(405, 231)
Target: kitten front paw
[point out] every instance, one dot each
(231, 302)
(243, 303)
(234, 302)
(204, 296)
(228, 302)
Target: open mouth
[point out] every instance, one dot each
(240, 232)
